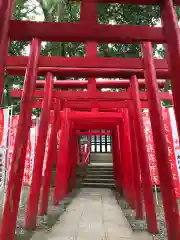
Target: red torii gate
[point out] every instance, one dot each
(89, 31)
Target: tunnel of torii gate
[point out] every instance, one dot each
(90, 109)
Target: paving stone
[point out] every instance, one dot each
(93, 214)
(142, 236)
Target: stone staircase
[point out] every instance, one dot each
(101, 158)
(100, 176)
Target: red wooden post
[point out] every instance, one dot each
(75, 159)
(118, 159)
(164, 169)
(120, 155)
(50, 159)
(123, 156)
(89, 16)
(127, 148)
(71, 158)
(6, 10)
(116, 136)
(115, 158)
(78, 151)
(136, 167)
(62, 170)
(34, 194)
(8, 224)
(171, 33)
(143, 158)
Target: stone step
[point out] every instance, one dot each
(100, 172)
(100, 169)
(97, 180)
(100, 176)
(98, 185)
(100, 166)
(100, 161)
(97, 168)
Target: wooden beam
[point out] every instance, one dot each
(95, 116)
(94, 126)
(93, 133)
(89, 72)
(85, 62)
(79, 32)
(123, 83)
(84, 95)
(104, 106)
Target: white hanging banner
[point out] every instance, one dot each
(171, 151)
(30, 151)
(4, 125)
(4, 128)
(11, 140)
(150, 148)
(175, 139)
(33, 136)
(2, 167)
(51, 117)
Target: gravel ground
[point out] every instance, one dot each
(54, 212)
(44, 222)
(140, 225)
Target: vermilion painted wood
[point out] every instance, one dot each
(143, 159)
(115, 158)
(121, 136)
(130, 159)
(89, 72)
(99, 84)
(6, 8)
(8, 223)
(104, 106)
(116, 142)
(34, 194)
(80, 32)
(88, 105)
(136, 167)
(50, 159)
(89, 16)
(86, 62)
(68, 163)
(88, 116)
(120, 170)
(93, 133)
(83, 95)
(165, 174)
(62, 169)
(171, 32)
(94, 117)
(127, 160)
(95, 126)
(79, 95)
(74, 154)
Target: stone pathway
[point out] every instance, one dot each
(93, 215)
